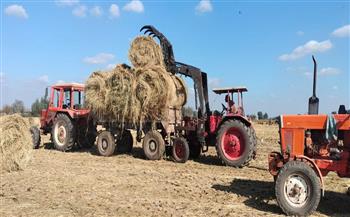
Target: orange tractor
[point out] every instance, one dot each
(312, 145)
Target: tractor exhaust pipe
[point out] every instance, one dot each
(313, 100)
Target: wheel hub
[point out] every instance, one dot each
(152, 145)
(296, 190)
(61, 134)
(104, 144)
(179, 150)
(232, 145)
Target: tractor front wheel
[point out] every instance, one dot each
(63, 133)
(153, 145)
(35, 136)
(105, 143)
(236, 143)
(180, 150)
(297, 189)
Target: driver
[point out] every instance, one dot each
(231, 104)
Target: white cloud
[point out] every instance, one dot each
(111, 66)
(204, 6)
(100, 58)
(96, 11)
(329, 71)
(2, 77)
(342, 31)
(309, 47)
(134, 6)
(80, 11)
(16, 11)
(114, 11)
(67, 2)
(300, 33)
(335, 87)
(44, 79)
(214, 82)
(60, 82)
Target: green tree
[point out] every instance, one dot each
(188, 111)
(39, 105)
(18, 106)
(260, 115)
(266, 116)
(7, 109)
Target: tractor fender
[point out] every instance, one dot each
(315, 167)
(243, 119)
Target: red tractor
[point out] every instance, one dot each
(229, 131)
(66, 118)
(312, 145)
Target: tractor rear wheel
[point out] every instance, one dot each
(125, 143)
(297, 189)
(180, 150)
(236, 143)
(153, 145)
(105, 143)
(35, 136)
(63, 132)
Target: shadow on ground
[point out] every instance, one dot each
(209, 160)
(335, 204)
(261, 196)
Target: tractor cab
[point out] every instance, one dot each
(65, 98)
(231, 108)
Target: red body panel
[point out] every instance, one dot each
(48, 115)
(292, 133)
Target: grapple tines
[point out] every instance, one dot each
(151, 31)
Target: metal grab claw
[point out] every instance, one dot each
(166, 46)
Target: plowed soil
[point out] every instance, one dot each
(81, 183)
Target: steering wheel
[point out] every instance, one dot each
(223, 109)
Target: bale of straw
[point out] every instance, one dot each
(15, 143)
(121, 101)
(95, 93)
(152, 92)
(145, 52)
(180, 93)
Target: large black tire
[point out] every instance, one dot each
(35, 136)
(180, 150)
(125, 143)
(153, 145)
(87, 137)
(298, 189)
(63, 132)
(240, 150)
(105, 143)
(195, 150)
(195, 147)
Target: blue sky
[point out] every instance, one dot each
(264, 45)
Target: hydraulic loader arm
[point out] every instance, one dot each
(199, 78)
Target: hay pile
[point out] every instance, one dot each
(136, 94)
(15, 142)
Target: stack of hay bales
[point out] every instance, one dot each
(15, 143)
(144, 92)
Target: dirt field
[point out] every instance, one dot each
(80, 183)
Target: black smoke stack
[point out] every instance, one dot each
(313, 100)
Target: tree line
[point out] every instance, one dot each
(18, 107)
